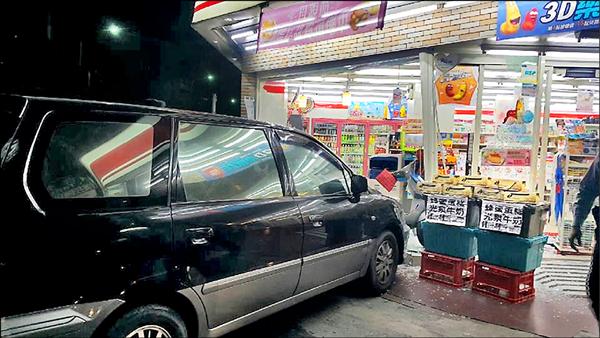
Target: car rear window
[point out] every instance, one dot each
(89, 159)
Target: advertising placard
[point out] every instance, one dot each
(517, 19)
(506, 157)
(457, 86)
(446, 210)
(503, 217)
(311, 21)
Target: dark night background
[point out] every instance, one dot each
(63, 49)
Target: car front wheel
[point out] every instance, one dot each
(383, 264)
(149, 321)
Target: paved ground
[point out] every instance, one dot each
(342, 313)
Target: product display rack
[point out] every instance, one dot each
(327, 134)
(576, 165)
(355, 139)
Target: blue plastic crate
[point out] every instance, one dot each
(449, 240)
(511, 251)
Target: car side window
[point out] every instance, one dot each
(99, 159)
(315, 171)
(226, 163)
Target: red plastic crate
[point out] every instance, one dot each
(502, 283)
(453, 271)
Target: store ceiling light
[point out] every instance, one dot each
(275, 43)
(525, 39)
(596, 87)
(386, 81)
(252, 37)
(512, 52)
(390, 88)
(363, 94)
(562, 86)
(314, 91)
(242, 35)
(561, 100)
(410, 12)
(413, 64)
(501, 74)
(564, 94)
(452, 4)
(321, 79)
(501, 84)
(389, 72)
(316, 85)
(570, 39)
(288, 24)
(327, 31)
(498, 91)
(251, 47)
(573, 56)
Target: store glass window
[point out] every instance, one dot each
(99, 159)
(315, 170)
(225, 163)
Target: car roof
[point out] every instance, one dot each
(187, 114)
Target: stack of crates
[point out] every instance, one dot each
(507, 262)
(450, 250)
(449, 254)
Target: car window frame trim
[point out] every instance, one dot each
(176, 200)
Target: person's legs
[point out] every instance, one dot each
(593, 281)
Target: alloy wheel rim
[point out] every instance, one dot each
(384, 261)
(149, 331)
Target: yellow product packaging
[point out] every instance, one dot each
(458, 190)
(430, 187)
(509, 185)
(445, 179)
(476, 181)
(520, 197)
(489, 194)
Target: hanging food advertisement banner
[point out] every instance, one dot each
(517, 19)
(506, 157)
(585, 100)
(311, 21)
(503, 217)
(456, 86)
(446, 210)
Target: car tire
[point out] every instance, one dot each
(383, 264)
(149, 321)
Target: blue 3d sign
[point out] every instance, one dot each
(518, 19)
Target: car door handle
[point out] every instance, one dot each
(201, 235)
(316, 220)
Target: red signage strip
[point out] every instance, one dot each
(205, 4)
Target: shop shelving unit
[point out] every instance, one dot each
(576, 165)
(354, 139)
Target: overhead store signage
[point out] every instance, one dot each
(311, 21)
(503, 217)
(518, 19)
(446, 210)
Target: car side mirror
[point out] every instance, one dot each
(358, 185)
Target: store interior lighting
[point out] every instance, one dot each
(501, 84)
(242, 35)
(501, 74)
(511, 52)
(386, 81)
(573, 56)
(452, 4)
(570, 39)
(410, 12)
(389, 72)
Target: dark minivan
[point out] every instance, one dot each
(131, 221)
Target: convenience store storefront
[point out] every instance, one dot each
(382, 91)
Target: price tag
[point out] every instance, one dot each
(503, 217)
(446, 210)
